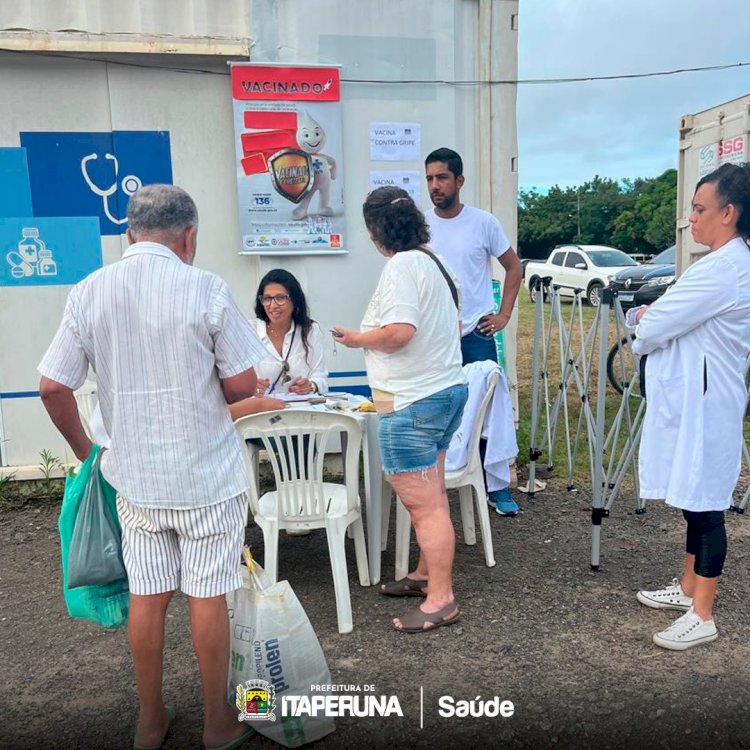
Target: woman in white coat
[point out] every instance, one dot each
(697, 338)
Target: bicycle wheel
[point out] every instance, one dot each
(620, 368)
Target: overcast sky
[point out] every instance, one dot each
(567, 133)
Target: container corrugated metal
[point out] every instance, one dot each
(707, 139)
(196, 18)
(379, 45)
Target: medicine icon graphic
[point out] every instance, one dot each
(33, 257)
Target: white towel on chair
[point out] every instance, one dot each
(498, 428)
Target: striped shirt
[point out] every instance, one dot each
(159, 334)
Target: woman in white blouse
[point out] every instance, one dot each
(412, 347)
(296, 349)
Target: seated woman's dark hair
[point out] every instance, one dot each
(300, 314)
(394, 221)
(732, 185)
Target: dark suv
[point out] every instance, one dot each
(644, 284)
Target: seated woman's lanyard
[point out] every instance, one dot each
(284, 364)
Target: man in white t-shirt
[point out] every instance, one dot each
(468, 238)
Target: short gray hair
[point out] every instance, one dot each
(157, 209)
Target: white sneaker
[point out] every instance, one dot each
(687, 631)
(671, 597)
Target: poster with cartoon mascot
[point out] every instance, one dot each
(289, 159)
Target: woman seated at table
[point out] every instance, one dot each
(296, 349)
(412, 348)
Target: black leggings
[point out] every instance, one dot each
(707, 540)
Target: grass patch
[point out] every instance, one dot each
(525, 346)
(578, 322)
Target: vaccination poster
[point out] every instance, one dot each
(289, 160)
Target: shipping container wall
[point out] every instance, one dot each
(707, 140)
(183, 104)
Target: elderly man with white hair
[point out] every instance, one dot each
(170, 349)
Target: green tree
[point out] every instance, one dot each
(662, 209)
(601, 201)
(627, 231)
(634, 215)
(545, 220)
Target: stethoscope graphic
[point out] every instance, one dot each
(130, 184)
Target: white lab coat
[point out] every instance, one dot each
(498, 428)
(691, 446)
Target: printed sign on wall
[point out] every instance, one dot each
(406, 180)
(47, 252)
(732, 150)
(395, 141)
(94, 174)
(287, 123)
(707, 159)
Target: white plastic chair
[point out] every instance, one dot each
(295, 442)
(471, 476)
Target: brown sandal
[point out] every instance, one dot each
(414, 620)
(404, 587)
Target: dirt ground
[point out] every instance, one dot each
(571, 648)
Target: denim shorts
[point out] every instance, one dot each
(410, 439)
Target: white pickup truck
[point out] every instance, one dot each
(586, 267)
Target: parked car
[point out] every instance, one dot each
(646, 283)
(586, 267)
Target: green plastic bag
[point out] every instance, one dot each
(95, 556)
(106, 604)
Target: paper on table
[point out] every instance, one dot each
(352, 399)
(356, 400)
(295, 396)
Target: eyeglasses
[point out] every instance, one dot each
(279, 299)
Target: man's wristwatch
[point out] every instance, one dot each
(314, 387)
